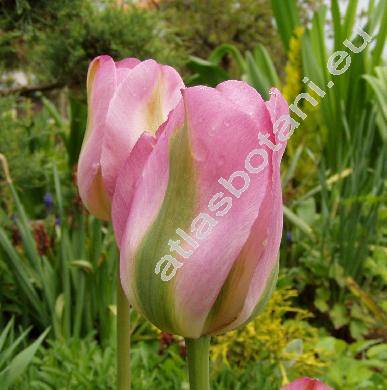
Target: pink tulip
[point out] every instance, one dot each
(199, 211)
(125, 99)
(306, 384)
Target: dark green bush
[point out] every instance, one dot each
(57, 40)
(202, 27)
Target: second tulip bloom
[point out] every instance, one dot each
(125, 99)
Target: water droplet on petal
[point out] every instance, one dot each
(200, 151)
(212, 130)
(220, 160)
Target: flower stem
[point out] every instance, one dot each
(123, 339)
(198, 362)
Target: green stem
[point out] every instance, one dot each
(123, 339)
(198, 362)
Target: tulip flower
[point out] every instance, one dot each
(125, 99)
(199, 247)
(199, 255)
(306, 384)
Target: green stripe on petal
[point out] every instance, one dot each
(267, 293)
(231, 297)
(212, 319)
(154, 296)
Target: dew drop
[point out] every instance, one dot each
(220, 160)
(212, 130)
(201, 151)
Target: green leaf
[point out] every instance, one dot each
(350, 17)
(378, 351)
(307, 211)
(206, 72)
(16, 264)
(20, 362)
(298, 222)
(5, 332)
(322, 299)
(78, 110)
(265, 63)
(336, 18)
(286, 17)
(82, 264)
(339, 315)
(59, 306)
(378, 84)
(217, 55)
(331, 346)
(5, 355)
(295, 348)
(381, 36)
(260, 71)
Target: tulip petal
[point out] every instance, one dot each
(141, 103)
(257, 264)
(248, 100)
(128, 63)
(101, 82)
(306, 384)
(277, 107)
(123, 68)
(151, 221)
(127, 181)
(253, 277)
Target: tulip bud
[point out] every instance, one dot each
(306, 384)
(125, 99)
(199, 250)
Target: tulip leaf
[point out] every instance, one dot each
(298, 222)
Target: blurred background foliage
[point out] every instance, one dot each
(58, 264)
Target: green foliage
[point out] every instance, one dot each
(361, 365)
(202, 28)
(63, 277)
(378, 84)
(280, 335)
(14, 359)
(256, 68)
(68, 46)
(27, 134)
(84, 365)
(76, 364)
(341, 242)
(287, 18)
(61, 38)
(59, 271)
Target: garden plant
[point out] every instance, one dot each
(192, 194)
